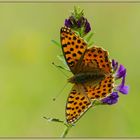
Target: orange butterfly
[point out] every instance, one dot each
(92, 69)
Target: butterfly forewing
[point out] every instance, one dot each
(77, 104)
(97, 57)
(73, 47)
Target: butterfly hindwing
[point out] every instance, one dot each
(77, 104)
(101, 90)
(73, 47)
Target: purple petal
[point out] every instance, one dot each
(87, 27)
(121, 72)
(68, 23)
(114, 65)
(79, 23)
(111, 99)
(114, 95)
(122, 88)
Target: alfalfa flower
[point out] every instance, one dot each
(78, 22)
(111, 99)
(119, 73)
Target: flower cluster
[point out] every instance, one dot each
(120, 73)
(78, 22)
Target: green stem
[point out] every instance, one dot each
(66, 130)
(68, 126)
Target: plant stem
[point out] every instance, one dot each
(68, 126)
(65, 132)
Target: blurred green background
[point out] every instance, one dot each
(28, 80)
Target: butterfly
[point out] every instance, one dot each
(92, 74)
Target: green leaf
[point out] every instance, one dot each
(90, 44)
(52, 119)
(62, 59)
(89, 36)
(56, 43)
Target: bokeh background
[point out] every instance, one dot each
(29, 81)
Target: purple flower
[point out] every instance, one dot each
(114, 65)
(122, 87)
(68, 23)
(87, 27)
(78, 22)
(111, 99)
(121, 72)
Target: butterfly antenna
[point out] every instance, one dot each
(59, 92)
(60, 69)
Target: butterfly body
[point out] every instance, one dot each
(86, 77)
(92, 74)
